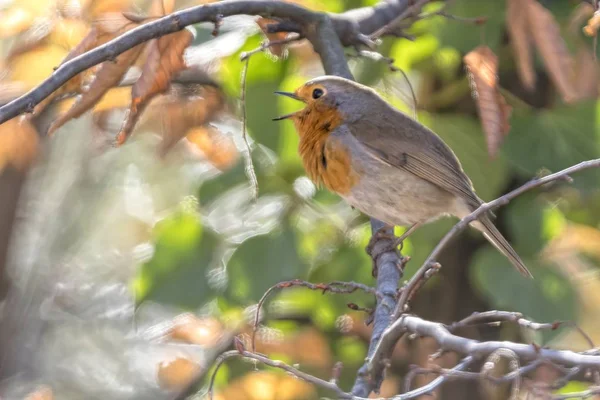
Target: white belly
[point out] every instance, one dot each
(397, 197)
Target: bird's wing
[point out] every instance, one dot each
(403, 143)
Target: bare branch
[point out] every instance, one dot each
(333, 287)
(390, 26)
(393, 333)
(324, 31)
(281, 365)
(332, 385)
(450, 342)
(495, 317)
(485, 207)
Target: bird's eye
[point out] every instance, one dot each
(317, 93)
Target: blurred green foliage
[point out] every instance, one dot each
(318, 238)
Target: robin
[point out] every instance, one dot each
(382, 162)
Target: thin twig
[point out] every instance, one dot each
(332, 385)
(292, 37)
(281, 365)
(431, 386)
(412, 10)
(461, 345)
(249, 165)
(495, 317)
(333, 287)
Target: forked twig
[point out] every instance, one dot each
(333, 287)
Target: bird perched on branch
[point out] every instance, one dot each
(382, 162)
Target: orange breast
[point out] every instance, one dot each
(326, 159)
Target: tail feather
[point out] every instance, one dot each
(493, 235)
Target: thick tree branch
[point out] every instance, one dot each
(479, 350)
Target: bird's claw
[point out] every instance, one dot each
(392, 243)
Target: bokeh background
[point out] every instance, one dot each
(103, 250)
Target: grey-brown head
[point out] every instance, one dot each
(350, 99)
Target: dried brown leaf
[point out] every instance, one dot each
(276, 49)
(186, 107)
(19, 143)
(107, 75)
(164, 60)
(494, 113)
(520, 39)
(73, 85)
(552, 48)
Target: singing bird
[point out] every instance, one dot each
(381, 161)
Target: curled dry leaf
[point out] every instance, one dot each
(177, 374)
(277, 50)
(494, 113)
(520, 39)
(108, 74)
(546, 35)
(164, 60)
(184, 108)
(19, 143)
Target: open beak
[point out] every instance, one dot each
(293, 96)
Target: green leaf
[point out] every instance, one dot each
(549, 297)
(262, 261)
(176, 274)
(555, 139)
(465, 137)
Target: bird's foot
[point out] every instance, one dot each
(392, 243)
